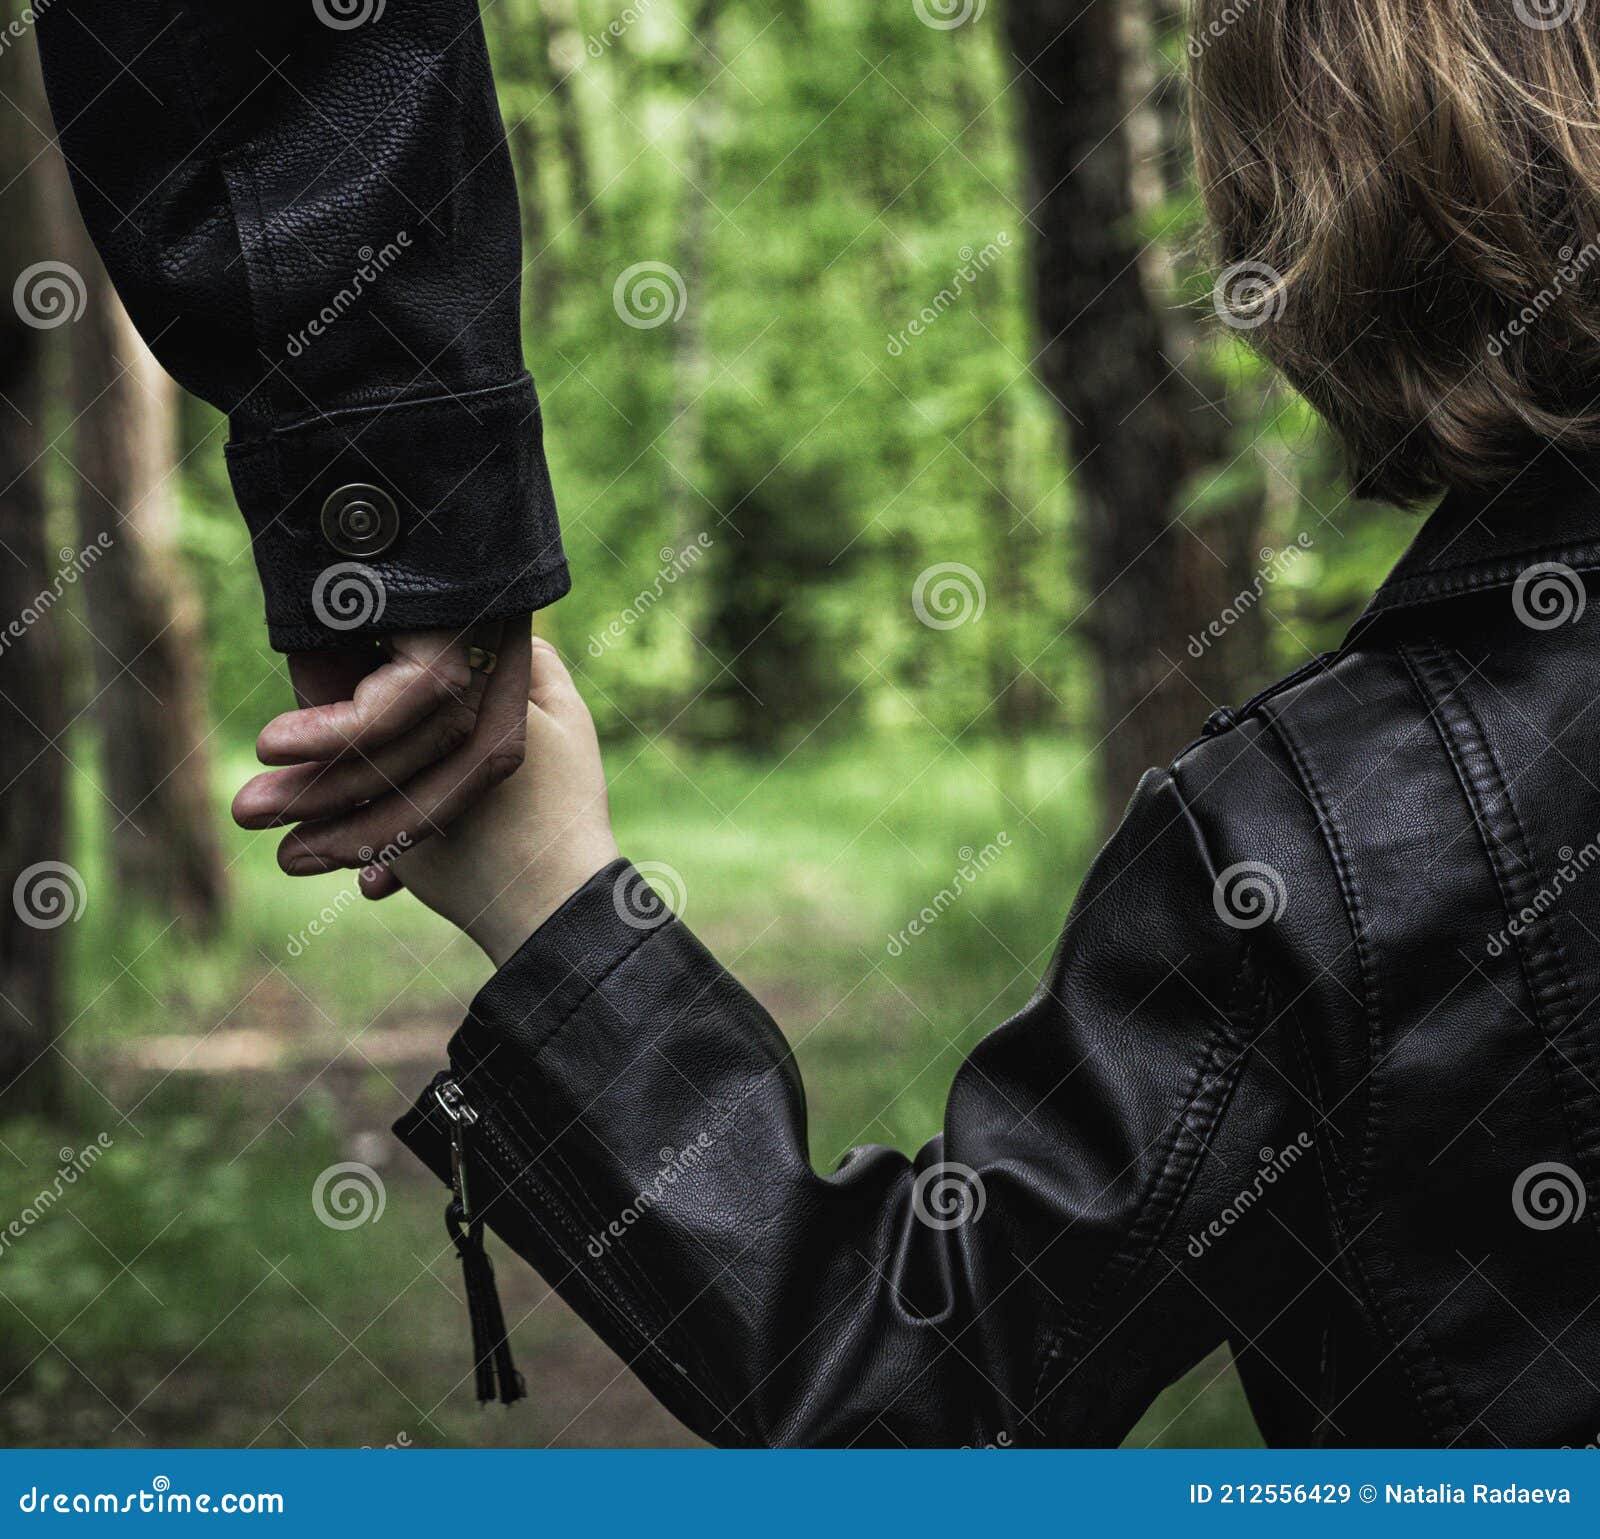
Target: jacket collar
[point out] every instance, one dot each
(1479, 540)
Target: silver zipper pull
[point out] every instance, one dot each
(453, 1103)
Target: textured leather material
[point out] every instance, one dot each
(315, 227)
(1315, 1071)
(449, 564)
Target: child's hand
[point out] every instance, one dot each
(509, 863)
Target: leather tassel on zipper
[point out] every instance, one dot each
(493, 1367)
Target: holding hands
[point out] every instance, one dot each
(391, 742)
(384, 753)
(534, 839)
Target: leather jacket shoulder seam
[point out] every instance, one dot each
(1426, 1378)
(1163, 1193)
(1196, 832)
(1333, 840)
(1419, 1359)
(1544, 965)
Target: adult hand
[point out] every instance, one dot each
(390, 743)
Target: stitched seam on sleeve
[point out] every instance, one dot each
(593, 991)
(1418, 1357)
(1155, 1211)
(652, 1326)
(308, 422)
(1054, 1347)
(1331, 829)
(593, 987)
(1541, 956)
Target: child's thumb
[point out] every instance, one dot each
(548, 679)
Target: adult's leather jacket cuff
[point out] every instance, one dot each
(449, 494)
(310, 213)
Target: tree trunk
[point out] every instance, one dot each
(42, 893)
(1237, 520)
(566, 54)
(684, 438)
(143, 616)
(543, 270)
(522, 61)
(1013, 539)
(1138, 425)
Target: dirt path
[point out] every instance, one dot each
(580, 1393)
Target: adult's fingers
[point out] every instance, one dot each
(326, 674)
(426, 670)
(378, 882)
(309, 792)
(438, 795)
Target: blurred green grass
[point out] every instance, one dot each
(183, 1291)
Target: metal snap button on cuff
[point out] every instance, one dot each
(360, 520)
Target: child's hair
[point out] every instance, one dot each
(1405, 195)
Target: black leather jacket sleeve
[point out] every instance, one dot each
(310, 213)
(1108, 1199)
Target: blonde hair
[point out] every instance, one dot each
(1405, 195)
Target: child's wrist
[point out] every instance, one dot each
(506, 922)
